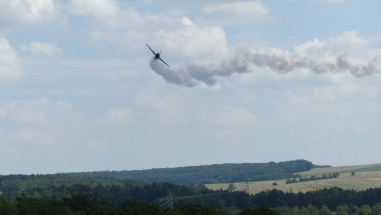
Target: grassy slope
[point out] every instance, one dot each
(367, 176)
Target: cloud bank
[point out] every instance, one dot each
(10, 63)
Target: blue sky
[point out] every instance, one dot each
(250, 81)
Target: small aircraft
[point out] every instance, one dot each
(157, 56)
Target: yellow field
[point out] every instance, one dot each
(361, 181)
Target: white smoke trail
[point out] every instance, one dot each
(277, 60)
(180, 77)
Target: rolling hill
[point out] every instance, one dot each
(366, 176)
(207, 174)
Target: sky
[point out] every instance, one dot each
(248, 82)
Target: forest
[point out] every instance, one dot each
(88, 193)
(117, 193)
(209, 174)
(140, 200)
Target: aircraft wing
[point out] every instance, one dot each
(164, 62)
(151, 50)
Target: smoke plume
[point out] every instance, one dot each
(277, 60)
(180, 77)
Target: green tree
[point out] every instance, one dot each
(283, 210)
(231, 187)
(7, 208)
(364, 210)
(353, 173)
(303, 211)
(312, 210)
(325, 211)
(342, 210)
(32, 206)
(352, 209)
(259, 210)
(191, 209)
(138, 208)
(294, 211)
(101, 210)
(325, 176)
(376, 209)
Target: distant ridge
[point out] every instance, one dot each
(208, 174)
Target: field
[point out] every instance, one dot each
(340, 169)
(366, 176)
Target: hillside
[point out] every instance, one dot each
(217, 173)
(366, 176)
(341, 190)
(343, 169)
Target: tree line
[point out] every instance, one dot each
(219, 173)
(116, 194)
(330, 197)
(311, 178)
(91, 205)
(324, 210)
(209, 174)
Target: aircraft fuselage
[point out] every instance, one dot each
(157, 55)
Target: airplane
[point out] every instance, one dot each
(157, 56)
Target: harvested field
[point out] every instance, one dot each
(319, 171)
(360, 181)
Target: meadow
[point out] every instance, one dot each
(366, 176)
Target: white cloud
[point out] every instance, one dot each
(3, 113)
(244, 8)
(345, 89)
(167, 108)
(167, 104)
(39, 111)
(226, 135)
(228, 116)
(10, 64)
(347, 42)
(128, 28)
(116, 115)
(335, 1)
(125, 28)
(43, 48)
(360, 49)
(28, 111)
(315, 43)
(97, 145)
(350, 37)
(109, 13)
(235, 116)
(241, 12)
(31, 134)
(27, 11)
(102, 10)
(194, 41)
(324, 93)
(27, 136)
(98, 8)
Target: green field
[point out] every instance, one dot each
(366, 176)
